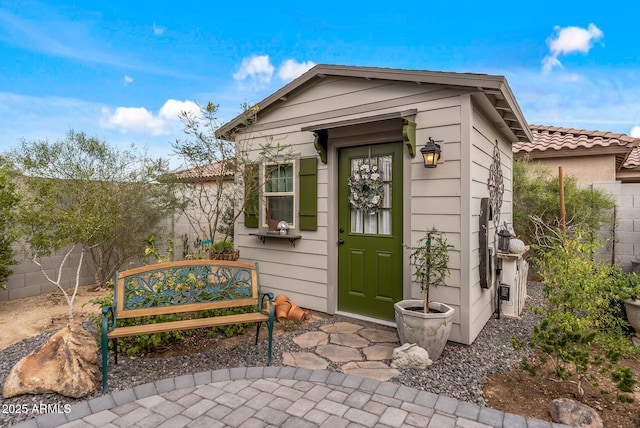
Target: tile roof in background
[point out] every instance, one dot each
(633, 160)
(555, 139)
(211, 171)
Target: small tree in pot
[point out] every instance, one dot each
(431, 260)
(427, 324)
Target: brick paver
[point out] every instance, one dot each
(287, 396)
(285, 401)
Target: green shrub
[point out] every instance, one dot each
(221, 246)
(8, 201)
(582, 328)
(536, 192)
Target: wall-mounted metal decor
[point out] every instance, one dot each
(483, 243)
(496, 186)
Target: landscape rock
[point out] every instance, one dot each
(410, 356)
(67, 364)
(370, 369)
(570, 412)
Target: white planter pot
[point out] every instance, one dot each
(429, 331)
(633, 315)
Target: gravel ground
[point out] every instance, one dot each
(460, 372)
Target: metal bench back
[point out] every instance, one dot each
(185, 286)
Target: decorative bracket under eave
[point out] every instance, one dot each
(320, 143)
(409, 136)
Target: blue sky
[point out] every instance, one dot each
(122, 71)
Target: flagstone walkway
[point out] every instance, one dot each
(355, 349)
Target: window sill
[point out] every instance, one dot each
(262, 236)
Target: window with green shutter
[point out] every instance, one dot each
(252, 195)
(279, 193)
(308, 215)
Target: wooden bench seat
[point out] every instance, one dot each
(184, 287)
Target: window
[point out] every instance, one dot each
(279, 194)
(380, 222)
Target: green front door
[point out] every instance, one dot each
(370, 244)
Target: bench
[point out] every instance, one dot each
(184, 287)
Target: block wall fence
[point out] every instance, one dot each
(626, 248)
(27, 279)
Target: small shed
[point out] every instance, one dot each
(340, 259)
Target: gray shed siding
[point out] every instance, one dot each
(483, 137)
(446, 197)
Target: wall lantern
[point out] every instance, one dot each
(504, 236)
(431, 153)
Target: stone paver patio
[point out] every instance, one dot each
(355, 349)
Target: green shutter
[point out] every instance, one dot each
(308, 194)
(251, 194)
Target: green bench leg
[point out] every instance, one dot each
(105, 351)
(104, 345)
(270, 323)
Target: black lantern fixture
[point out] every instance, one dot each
(431, 153)
(504, 237)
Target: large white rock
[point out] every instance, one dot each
(67, 364)
(410, 356)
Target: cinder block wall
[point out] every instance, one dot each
(27, 279)
(627, 229)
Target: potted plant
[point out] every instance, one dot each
(628, 289)
(425, 323)
(223, 250)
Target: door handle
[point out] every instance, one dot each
(340, 241)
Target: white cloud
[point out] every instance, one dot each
(127, 80)
(256, 67)
(172, 108)
(568, 40)
(635, 132)
(290, 69)
(141, 120)
(158, 31)
(137, 119)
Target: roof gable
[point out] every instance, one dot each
(495, 89)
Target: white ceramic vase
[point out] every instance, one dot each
(633, 315)
(429, 331)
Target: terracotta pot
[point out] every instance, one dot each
(281, 298)
(296, 313)
(282, 309)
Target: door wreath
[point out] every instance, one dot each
(365, 189)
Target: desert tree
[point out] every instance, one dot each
(217, 176)
(9, 199)
(82, 192)
(536, 200)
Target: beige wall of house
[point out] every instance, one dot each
(447, 197)
(586, 169)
